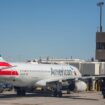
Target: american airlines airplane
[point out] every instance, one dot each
(24, 76)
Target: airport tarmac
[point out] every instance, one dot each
(84, 98)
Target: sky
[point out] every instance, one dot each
(56, 28)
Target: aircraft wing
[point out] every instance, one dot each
(54, 80)
(61, 79)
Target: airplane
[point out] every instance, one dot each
(24, 76)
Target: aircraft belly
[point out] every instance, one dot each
(16, 81)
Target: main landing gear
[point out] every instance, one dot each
(20, 91)
(57, 91)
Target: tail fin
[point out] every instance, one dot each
(3, 63)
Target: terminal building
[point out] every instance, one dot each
(85, 67)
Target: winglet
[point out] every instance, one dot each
(3, 63)
(1, 59)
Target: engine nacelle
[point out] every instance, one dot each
(80, 86)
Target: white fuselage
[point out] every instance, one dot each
(27, 74)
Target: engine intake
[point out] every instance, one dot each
(80, 86)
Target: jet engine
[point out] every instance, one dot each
(80, 85)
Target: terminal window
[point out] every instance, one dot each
(100, 45)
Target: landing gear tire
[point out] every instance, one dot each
(68, 92)
(60, 94)
(55, 93)
(104, 96)
(20, 92)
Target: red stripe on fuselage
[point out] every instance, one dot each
(4, 64)
(8, 72)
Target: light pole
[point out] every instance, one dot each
(100, 4)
